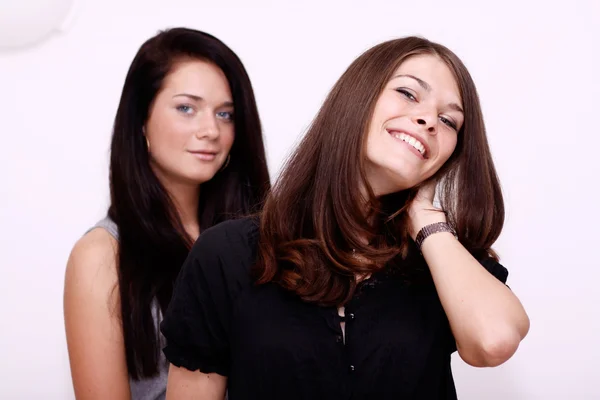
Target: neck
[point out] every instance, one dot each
(185, 197)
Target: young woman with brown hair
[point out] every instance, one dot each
(351, 283)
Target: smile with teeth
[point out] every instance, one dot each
(411, 141)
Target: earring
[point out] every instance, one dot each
(226, 162)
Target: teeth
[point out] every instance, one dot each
(412, 141)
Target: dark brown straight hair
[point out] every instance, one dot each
(152, 241)
(314, 216)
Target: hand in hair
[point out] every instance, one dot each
(421, 211)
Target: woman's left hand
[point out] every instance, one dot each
(422, 212)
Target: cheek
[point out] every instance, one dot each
(227, 137)
(372, 147)
(386, 108)
(447, 146)
(168, 130)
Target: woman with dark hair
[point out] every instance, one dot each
(351, 284)
(186, 153)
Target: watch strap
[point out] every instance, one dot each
(430, 229)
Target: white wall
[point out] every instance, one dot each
(536, 66)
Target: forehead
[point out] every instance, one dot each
(201, 77)
(433, 70)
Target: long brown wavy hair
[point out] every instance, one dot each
(314, 218)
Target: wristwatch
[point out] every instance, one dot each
(430, 229)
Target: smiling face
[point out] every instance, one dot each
(414, 127)
(190, 127)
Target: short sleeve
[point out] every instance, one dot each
(494, 268)
(196, 325)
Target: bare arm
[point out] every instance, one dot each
(486, 318)
(184, 384)
(92, 320)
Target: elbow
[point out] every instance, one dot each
(500, 349)
(493, 349)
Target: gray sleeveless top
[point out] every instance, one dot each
(152, 388)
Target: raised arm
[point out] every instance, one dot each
(486, 318)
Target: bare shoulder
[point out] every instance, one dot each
(97, 245)
(92, 264)
(91, 273)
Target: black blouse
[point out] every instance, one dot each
(272, 345)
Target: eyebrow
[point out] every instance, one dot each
(427, 87)
(199, 98)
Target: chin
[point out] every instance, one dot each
(391, 187)
(199, 178)
(402, 181)
(204, 178)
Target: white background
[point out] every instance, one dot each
(536, 65)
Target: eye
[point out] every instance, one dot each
(406, 94)
(226, 115)
(185, 108)
(449, 122)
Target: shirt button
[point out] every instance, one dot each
(351, 316)
(352, 368)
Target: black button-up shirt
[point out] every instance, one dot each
(272, 345)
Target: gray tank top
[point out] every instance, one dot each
(152, 388)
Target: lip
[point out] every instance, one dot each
(205, 155)
(414, 135)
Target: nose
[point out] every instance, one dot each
(208, 127)
(427, 121)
